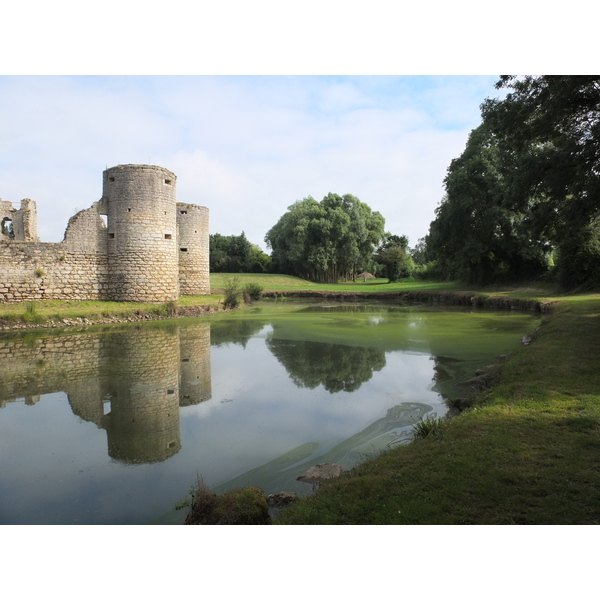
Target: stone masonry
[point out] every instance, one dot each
(148, 248)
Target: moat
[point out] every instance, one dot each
(112, 425)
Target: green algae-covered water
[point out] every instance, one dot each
(114, 424)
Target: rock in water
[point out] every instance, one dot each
(321, 473)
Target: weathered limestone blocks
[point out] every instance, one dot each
(142, 233)
(151, 248)
(193, 243)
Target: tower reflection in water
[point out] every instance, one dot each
(130, 382)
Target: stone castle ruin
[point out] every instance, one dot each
(136, 244)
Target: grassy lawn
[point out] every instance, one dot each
(282, 283)
(527, 453)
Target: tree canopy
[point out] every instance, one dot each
(235, 254)
(527, 186)
(325, 241)
(394, 257)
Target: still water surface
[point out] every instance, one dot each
(114, 424)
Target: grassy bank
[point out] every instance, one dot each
(43, 312)
(40, 312)
(527, 453)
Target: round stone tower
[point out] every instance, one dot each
(143, 258)
(193, 241)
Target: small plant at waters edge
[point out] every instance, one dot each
(189, 499)
(431, 426)
(244, 506)
(232, 293)
(171, 308)
(31, 315)
(253, 291)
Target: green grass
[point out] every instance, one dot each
(54, 310)
(528, 453)
(287, 283)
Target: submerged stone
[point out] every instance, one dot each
(321, 473)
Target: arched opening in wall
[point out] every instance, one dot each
(7, 228)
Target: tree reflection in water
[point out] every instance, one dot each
(337, 367)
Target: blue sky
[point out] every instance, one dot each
(247, 147)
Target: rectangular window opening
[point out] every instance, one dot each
(111, 236)
(183, 249)
(111, 178)
(183, 212)
(168, 236)
(167, 181)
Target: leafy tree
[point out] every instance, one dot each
(260, 262)
(526, 187)
(325, 241)
(394, 257)
(235, 254)
(480, 234)
(397, 262)
(419, 252)
(548, 131)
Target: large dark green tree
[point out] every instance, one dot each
(479, 235)
(548, 130)
(394, 258)
(325, 241)
(527, 183)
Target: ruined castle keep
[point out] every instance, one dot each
(147, 248)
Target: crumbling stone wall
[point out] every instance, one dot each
(74, 269)
(138, 256)
(23, 220)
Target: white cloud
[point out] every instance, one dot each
(246, 147)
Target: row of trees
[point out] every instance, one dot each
(337, 238)
(235, 254)
(523, 200)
